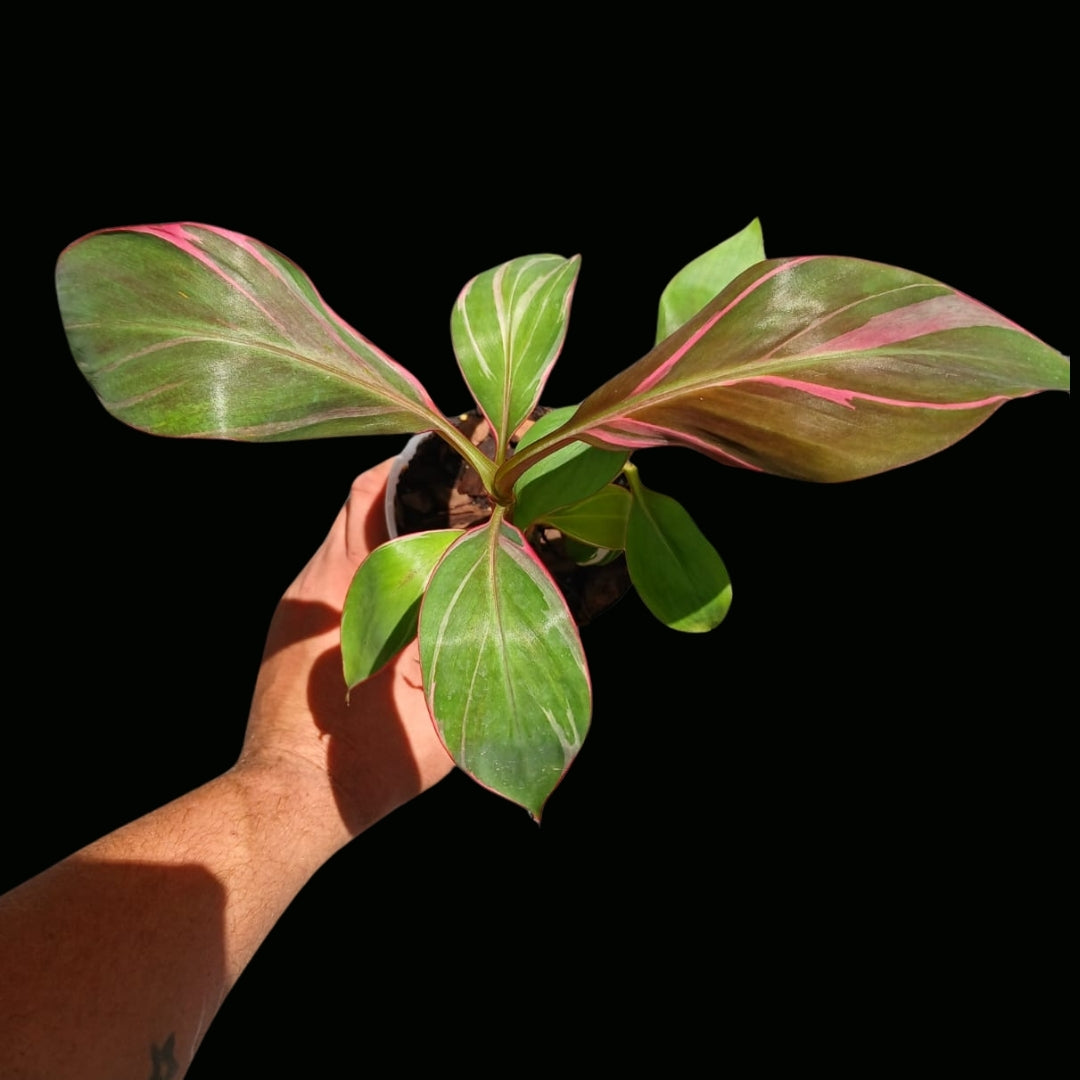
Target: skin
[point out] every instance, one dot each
(117, 958)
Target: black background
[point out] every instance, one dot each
(859, 761)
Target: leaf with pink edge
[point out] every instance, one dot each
(190, 330)
(822, 368)
(503, 667)
(508, 327)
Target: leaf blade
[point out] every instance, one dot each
(194, 331)
(823, 368)
(600, 520)
(382, 605)
(503, 668)
(508, 327)
(706, 276)
(678, 574)
(565, 477)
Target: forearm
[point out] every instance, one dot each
(114, 962)
(124, 951)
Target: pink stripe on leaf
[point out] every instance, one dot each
(840, 396)
(654, 377)
(939, 313)
(639, 435)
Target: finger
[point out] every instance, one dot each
(365, 518)
(359, 527)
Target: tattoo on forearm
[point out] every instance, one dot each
(165, 1065)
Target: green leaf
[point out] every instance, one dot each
(599, 520)
(508, 327)
(192, 330)
(564, 477)
(383, 603)
(706, 276)
(677, 572)
(588, 554)
(503, 668)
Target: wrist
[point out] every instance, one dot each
(291, 808)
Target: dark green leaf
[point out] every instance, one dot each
(564, 477)
(677, 572)
(599, 520)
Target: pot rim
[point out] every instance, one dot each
(408, 452)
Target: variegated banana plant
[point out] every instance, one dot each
(817, 368)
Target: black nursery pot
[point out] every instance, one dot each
(432, 487)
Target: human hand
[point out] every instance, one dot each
(354, 761)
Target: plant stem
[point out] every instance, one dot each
(508, 474)
(484, 466)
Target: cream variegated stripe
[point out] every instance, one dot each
(431, 676)
(503, 668)
(508, 326)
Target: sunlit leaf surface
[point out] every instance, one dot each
(191, 330)
(503, 667)
(823, 368)
(508, 326)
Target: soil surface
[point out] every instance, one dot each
(439, 490)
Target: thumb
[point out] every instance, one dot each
(358, 529)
